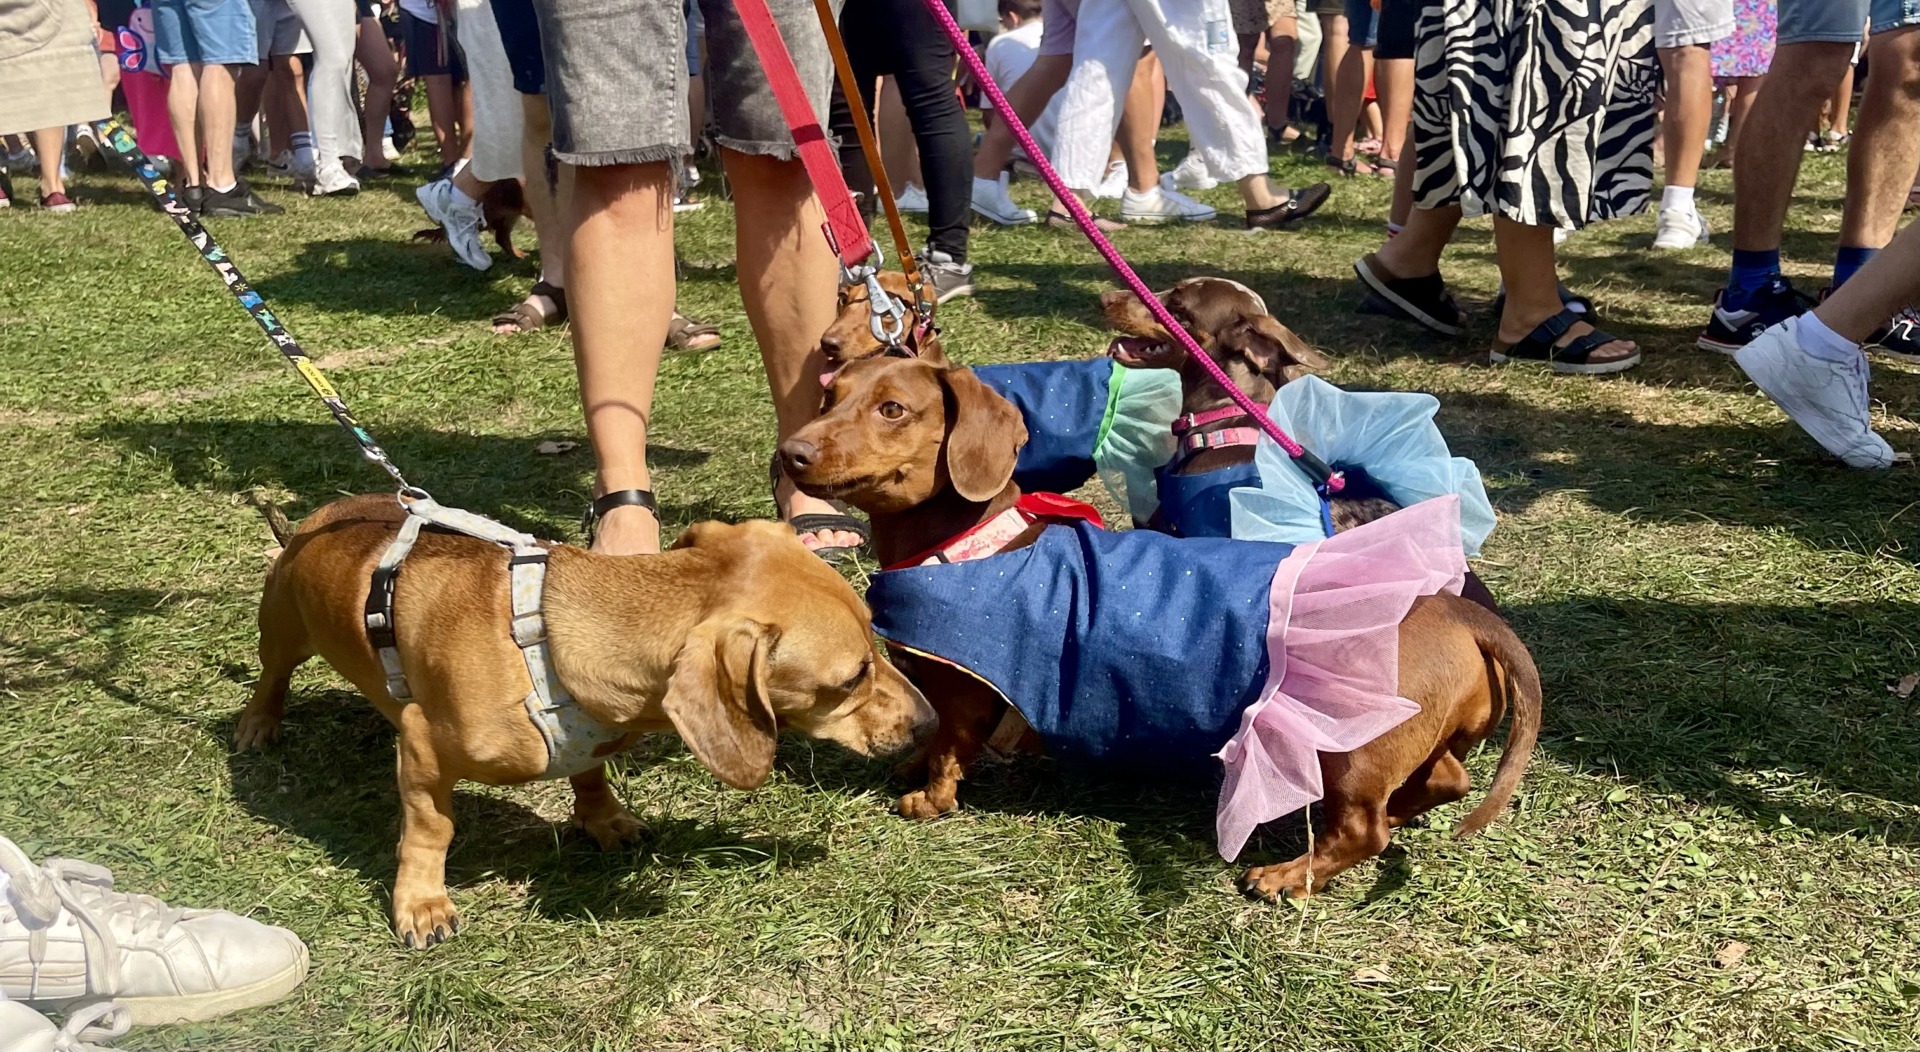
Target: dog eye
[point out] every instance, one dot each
(892, 410)
(849, 685)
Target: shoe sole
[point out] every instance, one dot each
(1708, 343)
(1416, 314)
(1154, 220)
(198, 1008)
(1893, 356)
(1570, 368)
(1000, 220)
(955, 293)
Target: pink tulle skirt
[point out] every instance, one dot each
(1333, 643)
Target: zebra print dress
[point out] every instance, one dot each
(1541, 111)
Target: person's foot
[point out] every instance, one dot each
(24, 1030)
(1680, 228)
(67, 938)
(1161, 205)
(990, 199)
(1423, 300)
(1899, 339)
(627, 530)
(912, 199)
(544, 307)
(192, 198)
(1827, 399)
(1565, 342)
(1729, 330)
(238, 201)
(1190, 174)
(460, 218)
(333, 182)
(798, 504)
(950, 279)
(1295, 205)
(57, 202)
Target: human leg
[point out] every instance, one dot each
(1886, 145)
(49, 147)
(1525, 256)
(371, 51)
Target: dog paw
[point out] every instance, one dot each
(612, 829)
(921, 805)
(1270, 882)
(256, 730)
(425, 922)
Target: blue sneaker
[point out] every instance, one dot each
(1729, 330)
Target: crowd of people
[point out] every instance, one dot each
(1544, 117)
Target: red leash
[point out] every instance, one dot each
(1330, 481)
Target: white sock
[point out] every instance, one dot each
(227, 189)
(1823, 343)
(302, 143)
(1677, 197)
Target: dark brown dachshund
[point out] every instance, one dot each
(503, 205)
(928, 452)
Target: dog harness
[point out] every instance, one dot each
(575, 741)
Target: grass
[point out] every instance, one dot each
(1717, 609)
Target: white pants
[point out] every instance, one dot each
(1196, 46)
(330, 26)
(497, 115)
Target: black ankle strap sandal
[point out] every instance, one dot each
(619, 498)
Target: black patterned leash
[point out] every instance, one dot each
(116, 135)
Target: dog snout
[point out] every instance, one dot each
(1114, 298)
(831, 346)
(798, 456)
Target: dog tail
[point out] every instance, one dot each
(1499, 643)
(276, 519)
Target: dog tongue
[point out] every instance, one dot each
(827, 378)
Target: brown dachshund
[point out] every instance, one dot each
(928, 452)
(503, 206)
(737, 633)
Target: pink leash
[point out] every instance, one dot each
(1328, 479)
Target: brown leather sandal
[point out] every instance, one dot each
(525, 317)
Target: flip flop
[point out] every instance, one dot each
(839, 520)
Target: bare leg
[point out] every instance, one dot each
(216, 123)
(1886, 148)
(183, 105)
(1834, 116)
(1764, 170)
(1415, 252)
(441, 106)
(463, 99)
(374, 57)
(1888, 283)
(1527, 268)
(1393, 83)
(788, 278)
(1689, 73)
(1028, 97)
(1283, 46)
(49, 145)
(621, 240)
(1140, 123)
(549, 206)
(899, 150)
(1742, 94)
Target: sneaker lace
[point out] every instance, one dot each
(85, 1025)
(87, 891)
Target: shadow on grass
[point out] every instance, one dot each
(494, 475)
(329, 780)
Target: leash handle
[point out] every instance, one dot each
(846, 230)
(863, 128)
(1312, 465)
(116, 135)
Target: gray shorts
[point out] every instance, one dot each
(617, 78)
(1686, 23)
(1840, 21)
(1059, 22)
(279, 29)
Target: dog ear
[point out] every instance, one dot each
(984, 435)
(717, 699)
(1276, 351)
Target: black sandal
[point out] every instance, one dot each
(1424, 301)
(619, 498)
(839, 520)
(1571, 299)
(1541, 348)
(525, 317)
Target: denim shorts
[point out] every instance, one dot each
(617, 76)
(1840, 21)
(1363, 28)
(218, 32)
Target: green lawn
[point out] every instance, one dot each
(1718, 611)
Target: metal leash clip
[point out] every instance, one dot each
(882, 306)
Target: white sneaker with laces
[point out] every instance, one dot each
(1680, 228)
(990, 199)
(1827, 399)
(912, 199)
(1113, 184)
(1161, 205)
(1190, 174)
(333, 180)
(67, 939)
(460, 220)
(24, 1030)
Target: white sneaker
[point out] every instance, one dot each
(1113, 185)
(990, 199)
(24, 1030)
(1827, 399)
(912, 199)
(67, 938)
(388, 150)
(1161, 205)
(1190, 174)
(949, 279)
(333, 181)
(460, 221)
(1680, 228)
